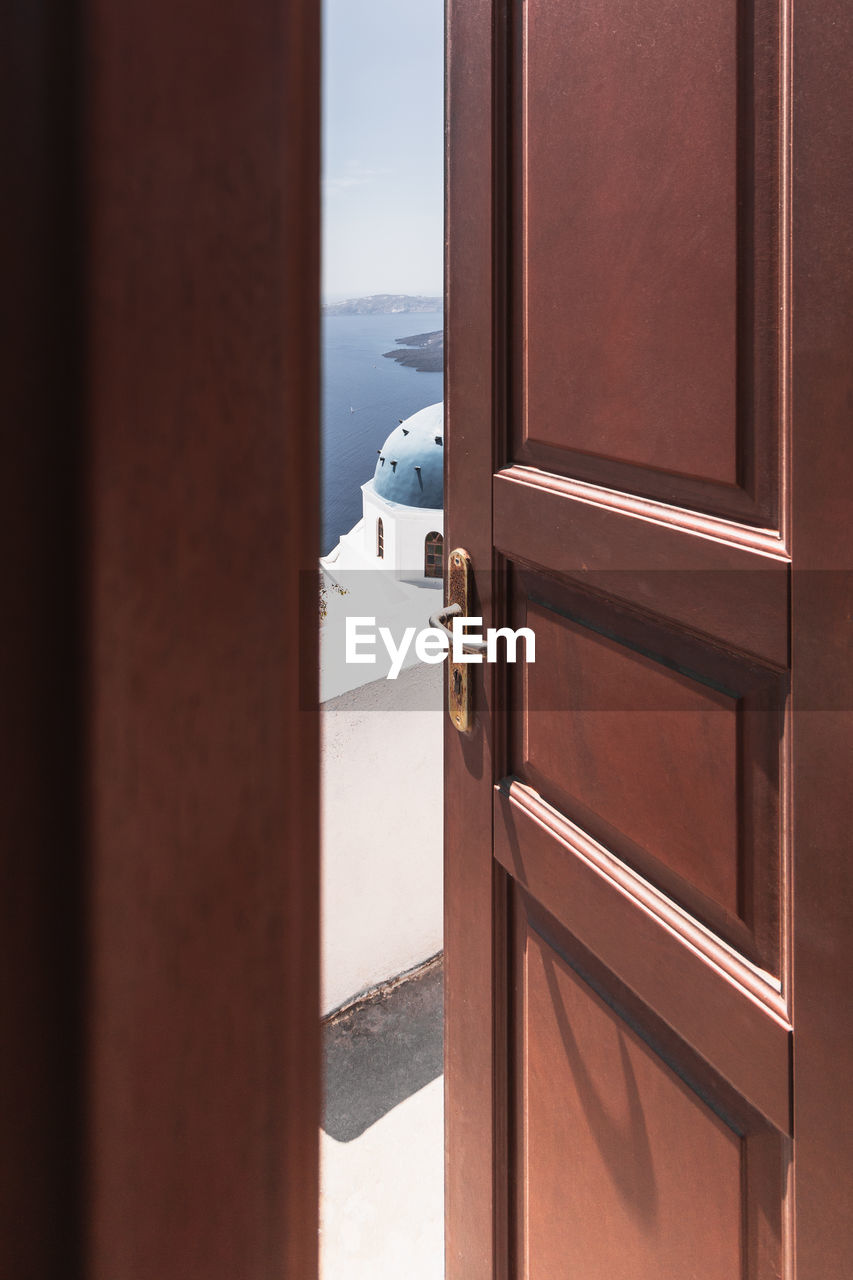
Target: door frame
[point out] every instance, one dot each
(160, 915)
(820, 393)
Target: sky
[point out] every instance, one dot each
(382, 147)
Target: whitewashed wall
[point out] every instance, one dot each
(405, 530)
(382, 831)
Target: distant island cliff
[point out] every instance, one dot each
(383, 304)
(421, 351)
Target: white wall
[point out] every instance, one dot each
(372, 511)
(404, 529)
(381, 831)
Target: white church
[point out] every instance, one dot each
(399, 540)
(402, 523)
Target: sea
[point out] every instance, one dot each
(364, 398)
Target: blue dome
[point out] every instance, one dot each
(410, 466)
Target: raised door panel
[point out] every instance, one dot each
(646, 136)
(630, 1160)
(730, 1014)
(666, 750)
(648, 749)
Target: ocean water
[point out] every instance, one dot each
(364, 397)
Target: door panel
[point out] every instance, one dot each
(646, 135)
(668, 1177)
(660, 731)
(708, 995)
(610, 330)
(663, 748)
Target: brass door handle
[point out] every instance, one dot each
(439, 620)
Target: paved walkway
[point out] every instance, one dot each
(382, 1148)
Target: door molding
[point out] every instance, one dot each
(476, 1212)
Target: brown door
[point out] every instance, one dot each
(649, 447)
(159, 913)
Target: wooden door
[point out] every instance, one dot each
(647, 832)
(159, 914)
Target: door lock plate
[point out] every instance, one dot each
(459, 690)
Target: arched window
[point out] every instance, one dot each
(380, 539)
(433, 555)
